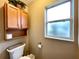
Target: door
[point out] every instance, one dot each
(13, 16)
(24, 19)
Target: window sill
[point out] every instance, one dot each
(64, 39)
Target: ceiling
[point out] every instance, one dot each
(27, 2)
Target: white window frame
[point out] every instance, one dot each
(71, 23)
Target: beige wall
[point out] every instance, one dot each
(3, 43)
(2, 2)
(52, 49)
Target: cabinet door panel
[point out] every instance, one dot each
(24, 19)
(12, 17)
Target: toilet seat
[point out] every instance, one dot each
(25, 57)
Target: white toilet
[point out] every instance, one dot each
(16, 52)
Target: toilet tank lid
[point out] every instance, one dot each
(14, 47)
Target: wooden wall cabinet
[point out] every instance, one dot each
(15, 20)
(15, 17)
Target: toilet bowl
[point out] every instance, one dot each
(16, 52)
(24, 57)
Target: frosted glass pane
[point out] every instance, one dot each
(59, 29)
(59, 12)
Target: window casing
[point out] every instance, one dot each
(57, 21)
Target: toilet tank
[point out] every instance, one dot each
(16, 51)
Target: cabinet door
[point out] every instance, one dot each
(13, 17)
(24, 19)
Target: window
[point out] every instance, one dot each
(58, 21)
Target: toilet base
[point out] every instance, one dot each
(31, 56)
